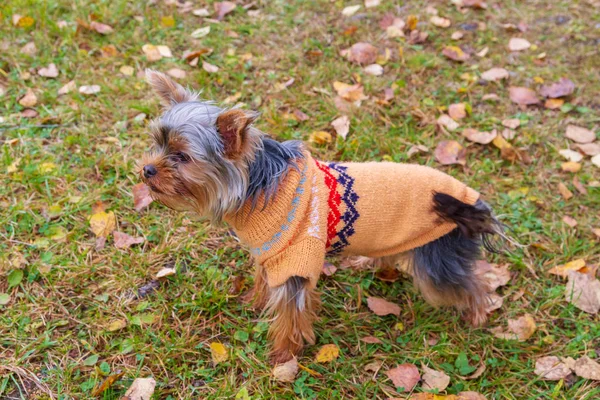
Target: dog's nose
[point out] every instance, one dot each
(149, 171)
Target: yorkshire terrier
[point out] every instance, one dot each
(292, 211)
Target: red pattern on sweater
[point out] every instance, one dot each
(333, 201)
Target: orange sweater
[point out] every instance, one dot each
(369, 209)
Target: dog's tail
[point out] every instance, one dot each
(444, 270)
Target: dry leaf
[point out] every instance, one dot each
(587, 368)
(490, 97)
(124, 241)
(564, 191)
(29, 99)
(450, 152)
(373, 366)
(570, 220)
(350, 10)
(596, 160)
(554, 104)
(107, 383)
(200, 32)
(457, 36)
(411, 22)
(341, 126)
(48, 72)
(103, 223)
(563, 270)
(495, 302)
(523, 95)
(327, 353)
(164, 51)
(320, 137)
(562, 88)
(404, 376)
(362, 53)
(350, 93)
(116, 325)
(579, 186)
(511, 123)
(518, 44)
(493, 275)
(480, 137)
(209, 67)
(551, 368)
(455, 53)
(140, 389)
(447, 122)
(457, 111)
(508, 134)
(478, 372)
(590, 149)
(177, 73)
(101, 28)
(570, 166)
(495, 74)
(164, 272)
(29, 49)
(328, 269)
(223, 8)
(286, 372)
(387, 274)
(583, 291)
(201, 12)
(470, 396)
(218, 352)
(519, 329)
(151, 51)
(372, 3)
(440, 22)
(67, 88)
(382, 307)
(433, 379)
(483, 52)
(141, 196)
(571, 155)
(417, 37)
(89, 89)
(371, 340)
(579, 134)
(374, 69)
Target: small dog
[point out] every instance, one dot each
(292, 211)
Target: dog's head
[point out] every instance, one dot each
(200, 157)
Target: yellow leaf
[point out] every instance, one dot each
(218, 352)
(411, 22)
(563, 270)
(399, 326)
(320, 137)
(327, 353)
(553, 104)
(103, 223)
(46, 167)
(25, 22)
(116, 325)
(538, 79)
(501, 143)
(382, 59)
(168, 21)
(13, 167)
(59, 234)
(570, 166)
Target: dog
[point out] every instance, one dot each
(292, 211)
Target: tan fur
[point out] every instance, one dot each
(169, 91)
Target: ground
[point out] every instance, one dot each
(57, 326)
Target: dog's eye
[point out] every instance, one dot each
(179, 157)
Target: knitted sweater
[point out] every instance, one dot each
(369, 209)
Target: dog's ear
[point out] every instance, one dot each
(169, 91)
(233, 128)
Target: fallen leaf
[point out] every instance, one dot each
(223, 8)
(596, 232)
(551, 368)
(511, 123)
(209, 67)
(177, 73)
(523, 95)
(164, 51)
(596, 160)
(89, 89)
(362, 53)
(286, 372)
(116, 325)
(350, 93)
(579, 186)
(571, 155)
(450, 152)
(48, 72)
(320, 137)
(519, 329)
(124, 241)
(434, 380)
(151, 51)
(23, 22)
(350, 10)
(103, 223)
(563, 270)
(141, 196)
(71, 85)
(583, 291)
(457, 35)
(29, 49)
(590, 149)
(405, 376)
(587, 368)
(329, 269)
(372, 3)
(564, 191)
(140, 389)
(371, 340)
(478, 372)
(495, 302)
(382, 307)
(455, 53)
(341, 126)
(457, 111)
(579, 134)
(127, 70)
(572, 222)
(493, 275)
(29, 99)
(483, 52)
(508, 134)
(107, 383)
(518, 44)
(553, 104)
(470, 396)
(490, 97)
(570, 166)
(495, 74)
(417, 37)
(201, 32)
(279, 86)
(387, 274)
(447, 122)
(218, 352)
(327, 353)
(374, 69)
(101, 28)
(440, 22)
(4, 299)
(480, 137)
(201, 12)
(562, 88)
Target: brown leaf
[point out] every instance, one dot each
(570, 221)
(511, 123)
(107, 383)
(579, 186)
(523, 95)
(300, 116)
(29, 113)
(371, 340)
(473, 4)
(191, 54)
(404, 376)
(518, 44)
(223, 8)
(583, 291)
(141, 196)
(433, 379)
(177, 73)
(564, 191)
(341, 126)
(329, 269)
(71, 85)
(29, 99)
(519, 329)
(89, 89)
(551, 368)
(579, 134)
(563, 270)
(417, 37)
(478, 372)
(374, 69)
(570, 166)
(124, 241)
(373, 366)
(571, 155)
(590, 149)
(351, 93)
(101, 28)
(457, 111)
(48, 72)
(470, 396)
(440, 22)
(554, 104)
(480, 137)
(450, 152)
(387, 274)
(382, 307)
(29, 49)
(495, 74)
(493, 275)
(362, 53)
(447, 122)
(210, 68)
(587, 368)
(455, 53)
(140, 389)
(563, 87)
(286, 372)
(495, 302)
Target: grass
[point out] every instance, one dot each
(82, 149)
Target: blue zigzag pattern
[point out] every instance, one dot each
(351, 215)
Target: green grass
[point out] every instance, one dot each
(82, 149)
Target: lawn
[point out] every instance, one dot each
(75, 309)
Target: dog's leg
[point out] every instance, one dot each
(260, 291)
(291, 310)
